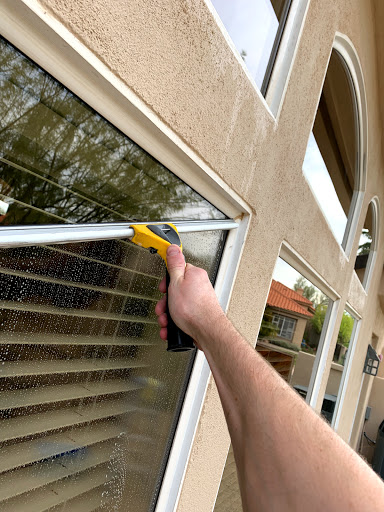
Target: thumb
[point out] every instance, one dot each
(175, 262)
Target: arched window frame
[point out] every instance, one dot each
(344, 47)
(374, 244)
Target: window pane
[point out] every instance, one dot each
(289, 339)
(338, 367)
(285, 326)
(252, 26)
(89, 396)
(330, 162)
(365, 243)
(60, 156)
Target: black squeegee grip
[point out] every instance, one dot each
(178, 341)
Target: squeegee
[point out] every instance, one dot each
(157, 238)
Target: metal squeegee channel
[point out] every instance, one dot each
(62, 416)
(20, 236)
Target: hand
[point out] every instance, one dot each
(192, 301)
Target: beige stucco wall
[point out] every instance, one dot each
(303, 369)
(299, 331)
(174, 58)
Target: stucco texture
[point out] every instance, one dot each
(174, 57)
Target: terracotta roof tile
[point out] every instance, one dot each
(282, 297)
(291, 294)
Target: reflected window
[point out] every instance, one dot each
(89, 396)
(285, 326)
(255, 28)
(367, 246)
(331, 160)
(339, 364)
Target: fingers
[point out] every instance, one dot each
(162, 318)
(163, 285)
(161, 306)
(175, 263)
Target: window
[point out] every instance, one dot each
(89, 396)
(332, 162)
(296, 358)
(340, 367)
(255, 29)
(285, 326)
(366, 253)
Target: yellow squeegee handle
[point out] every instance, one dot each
(157, 238)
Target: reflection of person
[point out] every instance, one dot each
(287, 457)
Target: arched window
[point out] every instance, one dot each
(334, 163)
(366, 253)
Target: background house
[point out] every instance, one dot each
(289, 311)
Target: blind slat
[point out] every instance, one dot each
(19, 427)
(58, 444)
(56, 248)
(45, 498)
(73, 340)
(49, 367)
(74, 284)
(91, 502)
(62, 392)
(86, 313)
(26, 479)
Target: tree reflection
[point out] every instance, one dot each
(70, 165)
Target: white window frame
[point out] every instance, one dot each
(375, 243)
(349, 57)
(278, 82)
(341, 393)
(293, 258)
(29, 27)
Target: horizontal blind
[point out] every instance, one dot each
(89, 397)
(84, 377)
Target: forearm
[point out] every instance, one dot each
(287, 457)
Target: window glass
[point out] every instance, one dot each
(60, 156)
(89, 396)
(365, 243)
(338, 367)
(252, 26)
(330, 162)
(289, 339)
(285, 326)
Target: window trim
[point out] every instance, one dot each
(275, 47)
(293, 258)
(282, 56)
(197, 387)
(374, 202)
(350, 60)
(47, 42)
(283, 64)
(343, 387)
(349, 57)
(19, 236)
